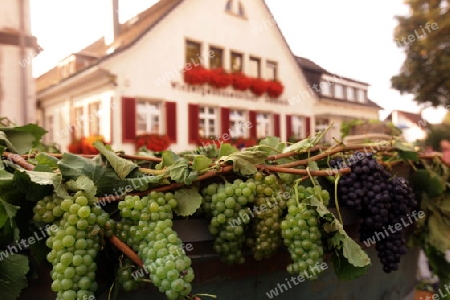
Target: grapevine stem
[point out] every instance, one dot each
(126, 250)
(336, 202)
(152, 172)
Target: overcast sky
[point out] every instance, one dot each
(352, 38)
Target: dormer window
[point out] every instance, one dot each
(66, 67)
(325, 88)
(338, 91)
(350, 93)
(361, 96)
(229, 6)
(237, 10)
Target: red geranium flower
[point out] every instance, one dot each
(274, 89)
(258, 86)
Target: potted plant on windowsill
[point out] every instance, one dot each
(197, 75)
(258, 86)
(241, 82)
(219, 78)
(153, 142)
(274, 89)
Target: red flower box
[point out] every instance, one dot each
(220, 79)
(197, 75)
(258, 86)
(274, 89)
(241, 82)
(153, 142)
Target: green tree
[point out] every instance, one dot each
(424, 35)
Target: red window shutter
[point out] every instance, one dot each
(307, 126)
(276, 125)
(225, 120)
(128, 120)
(171, 121)
(288, 127)
(252, 119)
(193, 113)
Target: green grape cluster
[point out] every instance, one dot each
(229, 217)
(126, 276)
(48, 209)
(74, 247)
(147, 226)
(301, 234)
(269, 206)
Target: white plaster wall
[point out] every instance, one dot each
(162, 53)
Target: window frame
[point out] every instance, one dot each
(352, 89)
(268, 121)
(255, 59)
(274, 63)
(212, 58)
(243, 128)
(296, 123)
(213, 116)
(149, 115)
(362, 93)
(232, 53)
(198, 59)
(329, 92)
(342, 96)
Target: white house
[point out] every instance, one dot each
(135, 84)
(339, 98)
(17, 49)
(412, 125)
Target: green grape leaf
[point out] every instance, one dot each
(7, 211)
(188, 201)
(408, 155)
(83, 183)
(43, 159)
(344, 270)
(13, 270)
(21, 139)
(168, 158)
(226, 149)
(435, 186)
(201, 163)
(121, 166)
(36, 185)
(245, 161)
(419, 180)
(438, 232)
(181, 173)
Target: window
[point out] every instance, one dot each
(215, 58)
(49, 125)
(325, 88)
(338, 91)
(272, 70)
(263, 121)
(94, 118)
(208, 121)
(79, 122)
(361, 96)
(321, 125)
(229, 6)
(350, 93)
(193, 53)
(297, 126)
(254, 67)
(241, 10)
(148, 117)
(238, 119)
(236, 62)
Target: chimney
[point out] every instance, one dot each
(112, 29)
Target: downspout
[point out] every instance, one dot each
(23, 69)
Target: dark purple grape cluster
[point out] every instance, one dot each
(381, 200)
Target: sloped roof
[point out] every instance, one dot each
(130, 32)
(414, 118)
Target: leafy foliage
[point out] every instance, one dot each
(424, 36)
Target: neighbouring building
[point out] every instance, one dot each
(412, 125)
(339, 98)
(17, 49)
(145, 80)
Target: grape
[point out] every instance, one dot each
(381, 200)
(48, 209)
(225, 204)
(73, 263)
(151, 235)
(266, 225)
(306, 248)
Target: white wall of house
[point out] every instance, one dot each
(411, 131)
(147, 69)
(11, 66)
